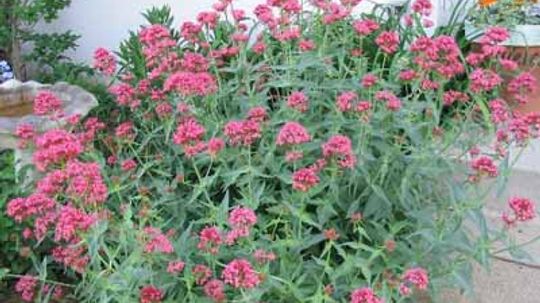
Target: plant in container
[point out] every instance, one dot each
(522, 18)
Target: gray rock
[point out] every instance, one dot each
(16, 107)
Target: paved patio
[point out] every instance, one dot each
(510, 282)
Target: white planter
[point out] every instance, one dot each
(396, 3)
(521, 35)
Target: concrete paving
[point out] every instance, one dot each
(507, 281)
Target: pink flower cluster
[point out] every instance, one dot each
(388, 41)
(150, 294)
(195, 63)
(191, 84)
(262, 256)
(175, 267)
(23, 208)
(157, 42)
(85, 182)
(125, 95)
(190, 135)
(67, 188)
(366, 26)
(345, 101)
(348, 101)
(364, 295)
(214, 289)
(104, 61)
(55, 146)
(495, 35)
(483, 166)
(91, 127)
(242, 132)
(241, 220)
(25, 133)
(522, 85)
(70, 221)
(451, 96)
(72, 256)
(304, 179)
(157, 242)
(240, 274)
(210, 240)
(334, 12)
(340, 148)
(47, 103)
(499, 111)
(190, 31)
(298, 101)
(414, 277)
(393, 103)
(423, 7)
(257, 114)
(26, 287)
(125, 131)
(292, 133)
(523, 210)
(441, 55)
(201, 273)
(483, 80)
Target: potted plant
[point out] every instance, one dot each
(522, 18)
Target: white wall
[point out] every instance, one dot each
(105, 23)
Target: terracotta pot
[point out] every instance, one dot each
(525, 55)
(524, 47)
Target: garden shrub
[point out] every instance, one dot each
(30, 50)
(9, 238)
(315, 156)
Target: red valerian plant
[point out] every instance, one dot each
(318, 157)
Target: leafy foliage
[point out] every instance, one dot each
(221, 185)
(18, 28)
